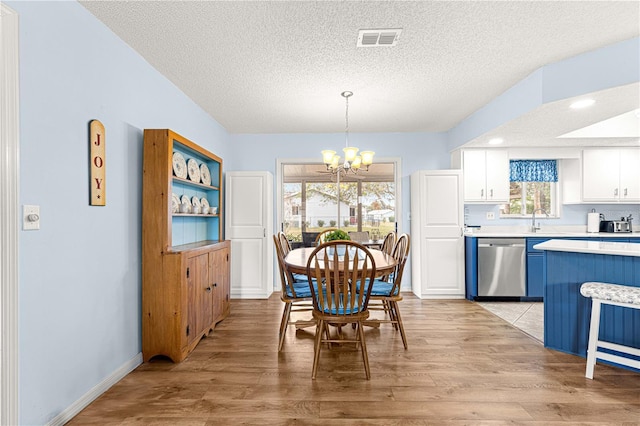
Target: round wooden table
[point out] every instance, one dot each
(297, 260)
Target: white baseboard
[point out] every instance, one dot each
(250, 294)
(71, 411)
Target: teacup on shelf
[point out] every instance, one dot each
(196, 209)
(205, 210)
(214, 210)
(185, 208)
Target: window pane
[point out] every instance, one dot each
(292, 209)
(310, 199)
(322, 208)
(378, 207)
(538, 196)
(515, 199)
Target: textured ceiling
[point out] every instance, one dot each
(279, 67)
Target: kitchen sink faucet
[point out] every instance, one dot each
(535, 227)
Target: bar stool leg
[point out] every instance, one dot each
(593, 338)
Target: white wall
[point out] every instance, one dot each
(80, 275)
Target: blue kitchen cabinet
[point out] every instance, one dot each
(471, 267)
(535, 277)
(534, 272)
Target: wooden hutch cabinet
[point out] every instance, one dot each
(185, 260)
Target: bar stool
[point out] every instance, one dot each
(608, 294)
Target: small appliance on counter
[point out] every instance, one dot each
(615, 226)
(593, 221)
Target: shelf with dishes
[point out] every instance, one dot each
(195, 205)
(195, 184)
(192, 169)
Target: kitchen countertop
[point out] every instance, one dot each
(594, 247)
(549, 232)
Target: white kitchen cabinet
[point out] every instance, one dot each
(249, 226)
(486, 176)
(437, 245)
(611, 175)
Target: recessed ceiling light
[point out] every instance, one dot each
(496, 141)
(583, 103)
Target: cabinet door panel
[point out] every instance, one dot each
(219, 279)
(247, 268)
(630, 174)
(474, 175)
(199, 294)
(534, 275)
(600, 174)
(497, 166)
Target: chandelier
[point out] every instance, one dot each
(352, 161)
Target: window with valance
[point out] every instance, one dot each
(532, 186)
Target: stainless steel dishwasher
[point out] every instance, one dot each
(501, 267)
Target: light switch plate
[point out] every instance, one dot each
(491, 215)
(30, 218)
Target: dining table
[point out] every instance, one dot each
(296, 260)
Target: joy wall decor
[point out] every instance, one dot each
(97, 142)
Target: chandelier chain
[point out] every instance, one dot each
(346, 116)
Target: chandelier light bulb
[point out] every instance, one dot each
(367, 157)
(350, 153)
(327, 156)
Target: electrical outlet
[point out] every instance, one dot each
(491, 215)
(30, 218)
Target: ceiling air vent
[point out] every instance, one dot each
(378, 38)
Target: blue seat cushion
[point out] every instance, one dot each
(301, 288)
(300, 278)
(381, 288)
(339, 310)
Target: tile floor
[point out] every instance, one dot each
(527, 316)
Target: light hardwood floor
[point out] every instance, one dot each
(464, 366)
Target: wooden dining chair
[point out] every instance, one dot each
(295, 294)
(322, 235)
(359, 236)
(309, 239)
(388, 243)
(385, 293)
(346, 270)
(285, 247)
(284, 242)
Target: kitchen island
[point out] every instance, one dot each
(569, 263)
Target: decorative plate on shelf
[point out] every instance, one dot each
(175, 203)
(204, 202)
(185, 200)
(205, 176)
(195, 202)
(179, 165)
(193, 170)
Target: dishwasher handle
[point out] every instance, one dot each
(499, 244)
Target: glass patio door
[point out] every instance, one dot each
(313, 200)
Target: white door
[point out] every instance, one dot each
(437, 232)
(249, 226)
